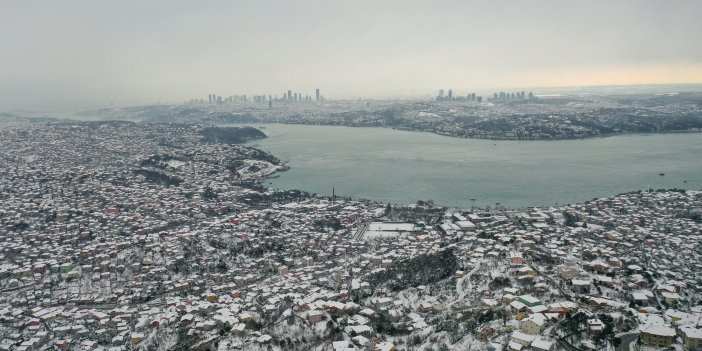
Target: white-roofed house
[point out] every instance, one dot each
(581, 286)
(515, 346)
(342, 345)
(521, 338)
(640, 298)
(542, 345)
(385, 346)
(657, 335)
(534, 324)
(517, 306)
(691, 337)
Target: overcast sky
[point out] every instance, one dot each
(76, 54)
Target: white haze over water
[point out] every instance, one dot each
(64, 54)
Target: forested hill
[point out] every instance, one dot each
(231, 135)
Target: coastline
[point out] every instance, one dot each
(597, 136)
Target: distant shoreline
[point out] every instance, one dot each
(607, 135)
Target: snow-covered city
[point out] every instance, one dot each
(124, 236)
(316, 175)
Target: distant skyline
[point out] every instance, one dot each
(80, 54)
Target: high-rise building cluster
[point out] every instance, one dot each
(288, 97)
(520, 95)
(218, 99)
(459, 98)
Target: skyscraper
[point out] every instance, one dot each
(317, 95)
(450, 95)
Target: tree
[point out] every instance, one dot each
(571, 218)
(209, 194)
(573, 322)
(616, 341)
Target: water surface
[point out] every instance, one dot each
(402, 167)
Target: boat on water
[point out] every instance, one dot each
(661, 174)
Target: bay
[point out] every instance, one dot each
(402, 167)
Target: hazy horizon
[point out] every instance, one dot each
(81, 54)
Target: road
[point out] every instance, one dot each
(626, 340)
(460, 292)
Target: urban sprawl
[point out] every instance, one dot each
(145, 236)
(517, 115)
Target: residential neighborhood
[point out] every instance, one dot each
(125, 236)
